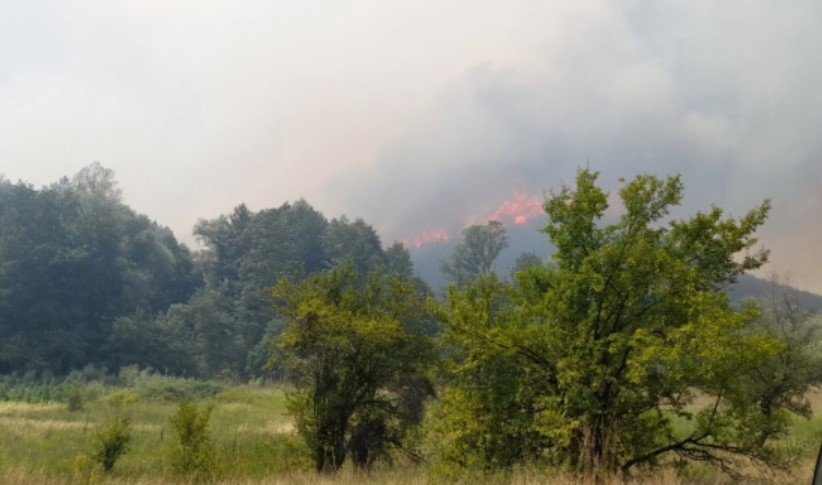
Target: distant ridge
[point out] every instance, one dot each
(528, 238)
(426, 262)
(751, 287)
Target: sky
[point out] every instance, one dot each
(421, 116)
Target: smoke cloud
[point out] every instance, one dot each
(420, 115)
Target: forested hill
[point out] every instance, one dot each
(751, 287)
(522, 239)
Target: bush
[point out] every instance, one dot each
(30, 388)
(89, 374)
(173, 389)
(74, 399)
(122, 398)
(193, 454)
(111, 442)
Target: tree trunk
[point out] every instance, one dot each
(596, 455)
(329, 454)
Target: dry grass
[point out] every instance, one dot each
(414, 477)
(39, 444)
(815, 398)
(13, 407)
(420, 477)
(28, 425)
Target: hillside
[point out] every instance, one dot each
(527, 238)
(750, 286)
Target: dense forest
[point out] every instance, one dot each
(84, 280)
(590, 361)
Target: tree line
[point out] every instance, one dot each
(621, 351)
(84, 280)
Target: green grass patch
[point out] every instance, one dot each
(252, 435)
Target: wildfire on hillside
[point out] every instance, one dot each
(430, 235)
(517, 210)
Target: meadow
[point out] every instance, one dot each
(48, 430)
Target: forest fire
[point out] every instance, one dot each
(519, 209)
(430, 235)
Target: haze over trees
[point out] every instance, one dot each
(474, 256)
(84, 280)
(73, 260)
(621, 352)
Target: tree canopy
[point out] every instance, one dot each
(596, 359)
(357, 352)
(475, 254)
(84, 280)
(73, 259)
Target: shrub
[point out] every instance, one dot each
(121, 398)
(156, 387)
(84, 470)
(111, 442)
(74, 399)
(193, 454)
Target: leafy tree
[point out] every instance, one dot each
(248, 252)
(227, 242)
(348, 346)
(151, 259)
(203, 334)
(147, 341)
(595, 361)
(398, 261)
(84, 279)
(111, 442)
(357, 241)
(73, 260)
(779, 386)
(308, 227)
(193, 454)
(475, 255)
(97, 183)
(37, 262)
(525, 261)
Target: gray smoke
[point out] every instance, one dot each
(419, 114)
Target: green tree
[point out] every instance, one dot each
(475, 255)
(591, 361)
(203, 335)
(780, 384)
(73, 260)
(524, 261)
(398, 261)
(248, 252)
(357, 241)
(348, 345)
(193, 453)
(111, 442)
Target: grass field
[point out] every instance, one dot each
(46, 442)
(42, 441)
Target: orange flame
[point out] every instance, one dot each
(430, 235)
(520, 208)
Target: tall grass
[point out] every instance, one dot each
(45, 441)
(42, 441)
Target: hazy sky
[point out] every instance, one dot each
(420, 115)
